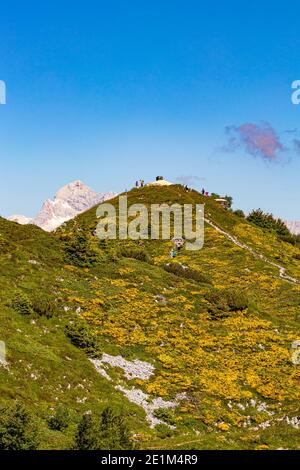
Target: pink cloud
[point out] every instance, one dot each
(257, 140)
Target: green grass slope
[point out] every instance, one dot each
(218, 333)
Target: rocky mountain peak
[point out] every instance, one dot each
(69, 201)
(293, 226)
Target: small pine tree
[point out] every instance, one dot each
(240, 213)
(87, 435)
(79, 250)
(229, 201)
(268, 222)
(22, 304)
(17, 429)
(83, 337)
(105, 432)
(60, 420)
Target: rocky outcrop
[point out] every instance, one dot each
(69, 201)
(293, 226)
(20, 219)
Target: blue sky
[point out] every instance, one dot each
(110, 92)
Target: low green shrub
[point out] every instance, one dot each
(240, 213)
(186, 272)
(107, 431)
(83, 337)
(79, 250)
(163, 431)
(291, 239)
(166, 415)
(60, 420)
(5, 245)
(17, 429)
(268, 222)
(44, 306)
(135, 253)
(226, 301)
(22, 304)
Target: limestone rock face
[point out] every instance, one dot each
(294, 227)
(69, 201)
(20, 219)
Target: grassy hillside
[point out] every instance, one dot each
(217, 334)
